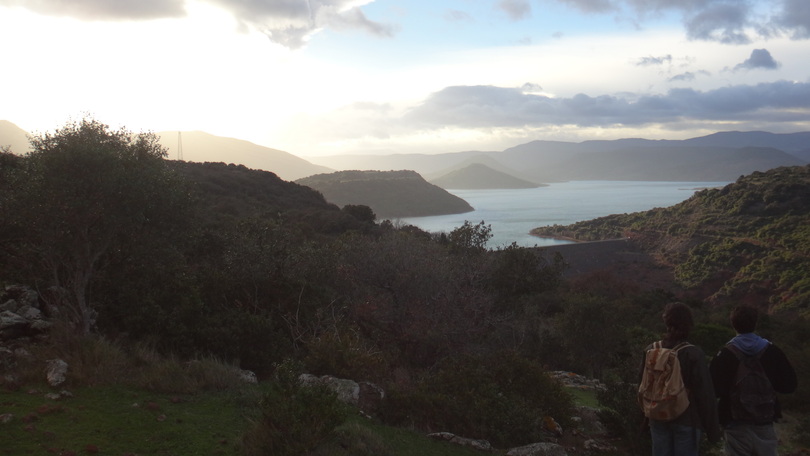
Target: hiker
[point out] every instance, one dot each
(679, 416)
(748, 429)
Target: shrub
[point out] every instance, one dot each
(502, 398)
(294, 418)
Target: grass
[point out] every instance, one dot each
(117, 421)
(114, 420)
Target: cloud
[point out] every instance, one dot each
(101, 10)
(794, 18)
(760, 58)
(515, 9)
(286, 22)
(457, 16)
(723, 22)
(688, 76)
(490, 107)
(646, 61)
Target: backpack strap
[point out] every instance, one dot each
(741, 356)
(681, 345)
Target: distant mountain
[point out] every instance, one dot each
(390, 194)
(720, 156)
(480, 176)
(14, 137)
(203, 147)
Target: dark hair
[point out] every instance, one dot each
(678, 320)
(744, 319)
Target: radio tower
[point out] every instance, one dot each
(179, 145)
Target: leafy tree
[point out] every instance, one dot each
(84, 197)
(470, 238)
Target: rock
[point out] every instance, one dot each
(348, 391)
(6, 418)
(10, 305)
(248, 376)
(364, 395)
(56, 371)
(371, 396)
(452, 438)
(538, 449)
(10, 319)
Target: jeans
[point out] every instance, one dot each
(674, 439)
(750, 439)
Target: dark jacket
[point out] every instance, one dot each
(723, 369)
(702, 410)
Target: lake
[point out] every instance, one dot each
(512, 213)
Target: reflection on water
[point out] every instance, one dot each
(514, 212)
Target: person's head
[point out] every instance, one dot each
(678, 320)
(744, 319)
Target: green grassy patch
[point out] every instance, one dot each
(116, 421)
(584, 397)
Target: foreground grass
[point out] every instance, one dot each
(114, 420)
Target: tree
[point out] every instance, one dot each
(85, 195)
(469, 238)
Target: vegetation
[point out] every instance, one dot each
(390, 194)
(168, 278)
(748, 241)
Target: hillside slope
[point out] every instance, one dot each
(204, 147)
(390, 194)
(480, 176)
(748, 242)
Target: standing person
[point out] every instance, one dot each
(749, 429)
(679, 435)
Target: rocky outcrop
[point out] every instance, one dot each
(21, 313)
(363, 395)
(482, 445)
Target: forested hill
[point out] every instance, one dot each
(228, 192)
(389, 193)
(746, 242)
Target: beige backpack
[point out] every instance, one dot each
(662, 394)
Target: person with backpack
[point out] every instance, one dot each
(747, 373)
(675, 391)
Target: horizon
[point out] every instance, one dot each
(375, 77)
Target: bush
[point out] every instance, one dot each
(502, 398)
(294, 418)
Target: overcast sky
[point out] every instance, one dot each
(320, 77)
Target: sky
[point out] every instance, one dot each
(325, 77)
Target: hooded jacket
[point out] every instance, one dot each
(723, 368)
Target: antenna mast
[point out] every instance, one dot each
(180, 145)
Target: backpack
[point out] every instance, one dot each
(752, 397)
(662, 394)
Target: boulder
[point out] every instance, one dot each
(538, 449)
(56, 371)
(482, 445)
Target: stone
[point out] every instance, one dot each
(9, 319)
(482, 445)
(538, 449)
(248, 376)
(57, 369)
(10, 305)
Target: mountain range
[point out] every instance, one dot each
(721, 156)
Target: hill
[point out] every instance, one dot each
(480, 176)
(390, 194)
(719, 157)
(14, 137)
(203, 147)
(745, 243)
